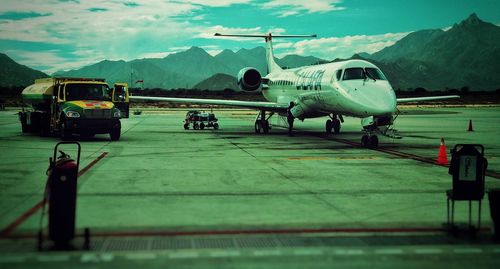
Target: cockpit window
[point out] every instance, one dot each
(354, 73)
(363, 73)
(374, 73)
(339, 73)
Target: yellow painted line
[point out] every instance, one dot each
(307, 158)
(357, 158)
(326, 158)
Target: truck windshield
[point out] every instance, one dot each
(87, 92)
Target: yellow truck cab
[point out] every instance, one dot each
(70, 106)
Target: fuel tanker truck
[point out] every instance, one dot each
(68, 106)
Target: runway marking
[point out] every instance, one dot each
(12, 259)
(53, 258)
(357, 158)
(141, 256)
(428, 251)
(89, 257)
(489, 173)
(271, 252)
(222, 254)
(270, 231)
(11, 227)
(308, 158)
(348, 252)
(94, 258)
(467, 250)
(389, 251)
(184, 255)
(308, 252)
(92, 163)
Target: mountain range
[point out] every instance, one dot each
(466, 55)
(184, 69)
(13, 74)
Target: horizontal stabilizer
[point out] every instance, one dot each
(265, 35)
(429, 98)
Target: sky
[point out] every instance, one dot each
(55, 35)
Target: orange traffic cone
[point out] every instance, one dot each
(442, 157)
(470, 127)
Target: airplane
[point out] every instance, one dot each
(355, 88)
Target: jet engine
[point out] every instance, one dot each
(249, 79)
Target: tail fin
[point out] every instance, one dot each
(272, 66)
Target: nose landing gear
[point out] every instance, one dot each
(369, 141)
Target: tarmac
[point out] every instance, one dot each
(229, 198)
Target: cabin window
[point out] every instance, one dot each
(339, 74)
(375, 73)
(354, 73)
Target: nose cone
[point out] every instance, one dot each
(379, 100)
(382, 105)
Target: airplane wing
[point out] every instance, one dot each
(430, 98)
(268, 106)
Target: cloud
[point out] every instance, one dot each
(208, 32)
(338, 47)
(50, 61)
(73, 34)
(296, 7)
(109, 29)
(21, 15)
(218, 3)
(97, 9)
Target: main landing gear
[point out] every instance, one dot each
(369, 140)
(262, 123)
(333, 123)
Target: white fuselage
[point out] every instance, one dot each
(320, 90)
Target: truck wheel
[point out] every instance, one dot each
(202, 126)
(24, 125)
(44, 132)
(186, 126)
(65, 133)
(196, 126)
(115, 134)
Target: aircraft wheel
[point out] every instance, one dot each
(216, 126)
(186, 126)
(202, 126)
(336, 126)
(373, 141)
(265, 126)
(258, 126)
(329, 126)
(196, 126)
(365, 141)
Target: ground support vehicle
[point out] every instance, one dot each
(200, 120)
(68, 106)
